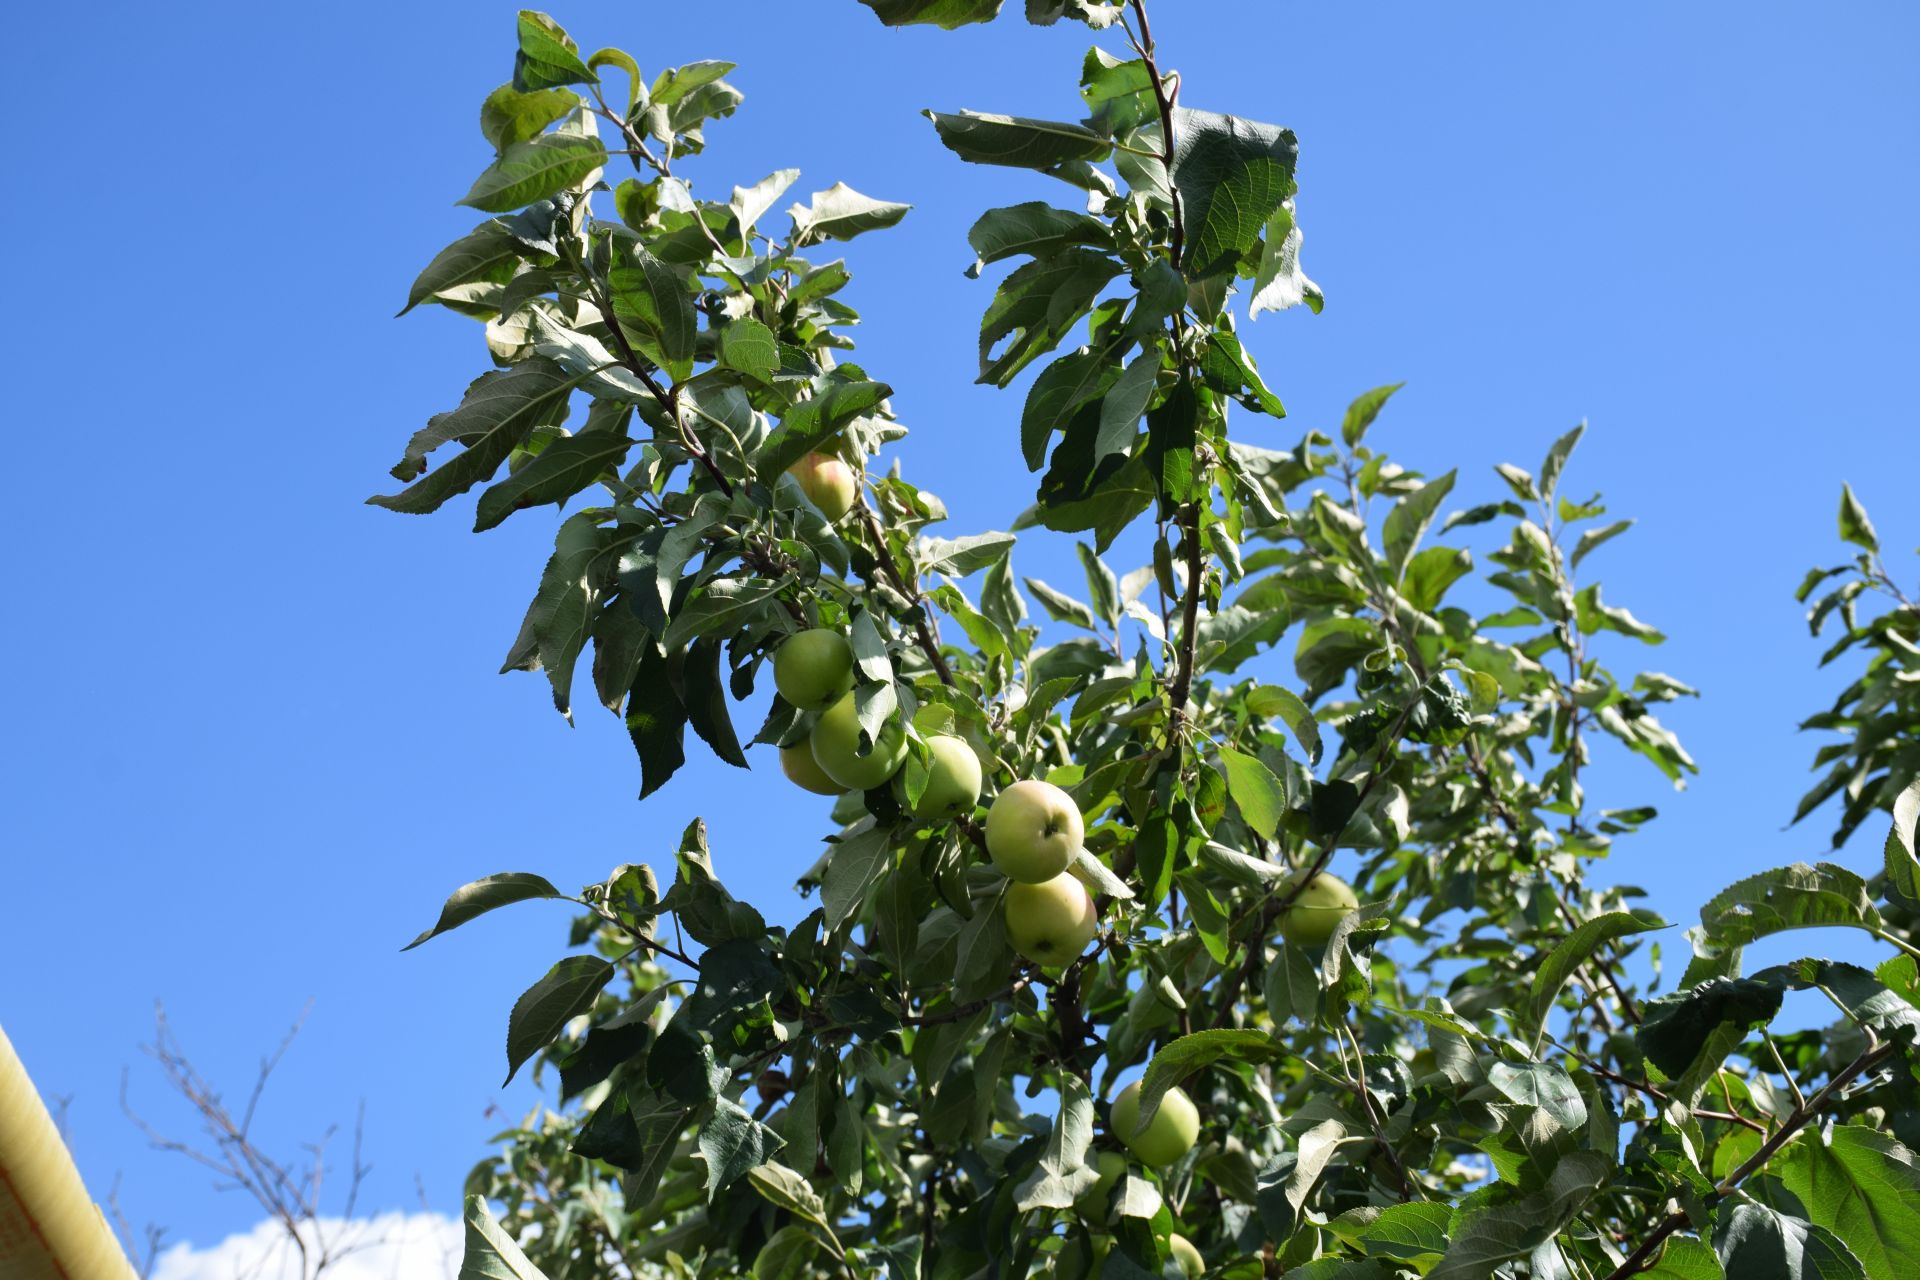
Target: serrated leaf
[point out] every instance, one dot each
(567, 990)
(1232, 176)
(487, 253)
(562, 469)
(1260, 796)
(731, 1143)
(498, 412)
(1575, 950)
(535, 169)
(958, 557)
(1062, 1173)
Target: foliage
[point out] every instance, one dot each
(1462, 1081)
(1878, 713)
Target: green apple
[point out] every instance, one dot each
(812, 669)
(953, 780)
(1091, 1204)
(804, 771)
(827, 482)
(1186, 1255)
(1033, 831)
(1167, 1137)
(836, 748)
(1050, 923)
(1314, 915)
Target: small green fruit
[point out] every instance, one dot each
(1186, 1255)
(953, 780)
(1317, 912)
(1170, 1135)
(836, 748)
(1050, 923)
(812, 669)
(804, 771)
(827, 482)
(1033, 831)
(1091, 1204)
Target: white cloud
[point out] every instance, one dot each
(392, 1246)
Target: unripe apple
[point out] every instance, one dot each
(1091, 1204)
(836, 748)
(1167, 1137)
(1186, 1255)
(1314, 915)
(953, 780)
(1050, 923)
(812, 669)
(827, 482)
(804, 771)
(1033, 831)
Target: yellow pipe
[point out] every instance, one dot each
(49, 1228)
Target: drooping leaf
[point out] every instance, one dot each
(1036, 306)
(547, 55)
(1576, 949)
(942, 13)
(732, 1142)
(562, 469)
(1756, 1242)
(1260, 796)
(1034, 228)
(1232, 175)
(1189, 1054)
(1862, 1185)
(487, 253)
(490, 1252)
(1062, 1173)
(497, 413)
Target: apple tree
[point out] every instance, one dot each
(1130, 948)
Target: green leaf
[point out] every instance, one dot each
(1545, 1085)
(1119, 95)
(749, 347)
(562, 469)
(1061, 389)
(1430, 572)
(490, 1252)
(1278, 282)
(483, 895)
(1124, 403)
(1415, 1234)
(732, 1142)
(656, 721)
(1592, 538)
(1408, 521)
(655, 296)
(547, 55)
(855, 867)
(783, 1187)
(1261, 797)
(487, 253)
(1903, 844)
(1188, 1054)
(1576, 949)
(1226, 356)
(1273, 702)
(1690, 1032)
(841, 213)
(710, 915)
(1793, 897)
(1062, 607)
(706, 701)
(1557, 460)
(1102, 587)
(1759, 1243)
(567, 991)
(1035, 228)
(560, 619)
(1232, 176)
(722, 607)
(1685, 1258)
(943, 13)
(509, 116)
(1364, 409)
(1062, 1173)
(1854, 525)
(986, 138)
(958, 557)
(498, 412)
(1036, 306)
(679, 83)
(812, 423)
(535, 169)
(1484, 1239)
(750, 204)
(1863, 1186)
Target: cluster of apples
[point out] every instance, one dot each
(1159, 1143)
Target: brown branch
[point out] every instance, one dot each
(911, 591)
(1642, 1086)
(1794, 1122)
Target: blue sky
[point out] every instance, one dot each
(256, 735)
